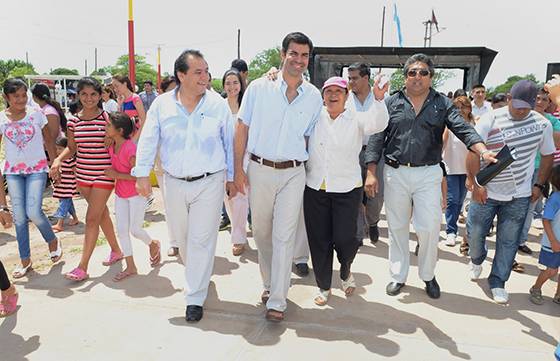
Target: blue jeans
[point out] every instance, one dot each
(511, 216)
(65, 207)
(456, 193)
(26, 193)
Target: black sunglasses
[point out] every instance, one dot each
(412, 73)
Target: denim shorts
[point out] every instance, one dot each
(549, 259)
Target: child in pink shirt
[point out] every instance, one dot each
(129, 205)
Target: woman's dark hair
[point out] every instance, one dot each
(62, 141)
(464, 102)
(120, 120)
(92, 83)
(75, 107)
(12, 85)
(125, 80)
(459, 93)
(166, 82)
(235, 72)
(555, 177)
(42, 92)
(109, 90)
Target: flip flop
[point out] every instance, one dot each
(122, 275)
(154, 261)
(114, 257)
(349, 286)
(322, 297)
(73, 223)
(21, 271)
(77, 275)
(9, 305)
(274, 315)
(56, 255)
(238, 249)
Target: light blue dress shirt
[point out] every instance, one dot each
(367, 103)
(190, 144)
(277, 128)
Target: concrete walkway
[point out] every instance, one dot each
(143, 318)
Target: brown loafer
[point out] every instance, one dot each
(274, 315)
(265, 296)
(238, 249)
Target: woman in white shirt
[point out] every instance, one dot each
(237, 207)
(110, 105)
(334, 184)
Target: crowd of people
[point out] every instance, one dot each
(308, 169)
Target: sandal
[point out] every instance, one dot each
(154, 260)
(322, 297)
(238, 249)
(265, 296)
(274, 315)
(114, 257)
(464, 249)
(349, 286)
(122, 275)
(9, 305)
(517, 267)
(173, 251)
(536, 296)
(56, 255)
(21, 271)
(77, 275)
(556, 298)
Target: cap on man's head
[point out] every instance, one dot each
(336, 81)
(523, 94)
(240, 65)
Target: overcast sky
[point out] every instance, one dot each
(63, 33)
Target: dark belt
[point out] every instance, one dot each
(395, 163)
(195, 178)
(276, 165)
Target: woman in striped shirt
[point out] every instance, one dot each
(86, 140)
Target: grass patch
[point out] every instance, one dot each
(101, 241)
(75, 250)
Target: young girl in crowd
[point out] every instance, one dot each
(86, 140)
(9, 295)
(26, 169)
(129, 205)
(110, 105)
(237, 207)
(52, 110)
(130, 103)
(550, 242)
(65, 190)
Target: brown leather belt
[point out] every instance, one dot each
(277, 165)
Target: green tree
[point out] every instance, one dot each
(217, 85)
(144, 71)
(8, 66)
(21, 71)
(263, 61)
(506, 87)
(64, 71)
(439, 78)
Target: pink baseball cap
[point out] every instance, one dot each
(336, 81)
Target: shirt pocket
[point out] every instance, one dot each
(434, 116)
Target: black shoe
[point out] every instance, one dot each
(394, 288)
(525, 249)
(373, 234)
(224, 224)
(193, 313)
(302, 269)
(432, 288)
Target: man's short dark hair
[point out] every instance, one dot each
(423, 58)
(182, 65)
(149, 82)
(240, 65)
(478, 86)
(364, 69)
(298, 38)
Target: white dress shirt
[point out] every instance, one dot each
(354, 103)
(479, 111)
(190, 144)
(335, 145)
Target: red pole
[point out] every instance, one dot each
(131, 62)
(159, 66)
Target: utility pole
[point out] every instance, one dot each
(428, 33)
(383, 26)
(26, 58)
(95, 62)
(131, 59)
(85, 70)
(158, 66)
(238, 43)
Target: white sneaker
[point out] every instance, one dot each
(451, 239)
(500, 295)
(474, 271)
(537, 223)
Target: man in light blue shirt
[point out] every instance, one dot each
(191, 128)
(275, 119)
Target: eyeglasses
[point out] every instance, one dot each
(412, 72)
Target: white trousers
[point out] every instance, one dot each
(237, 209)
(413, 192)
(172, 239)
(276, 198)
(129, 215)
(301, 247)
(194, 218)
